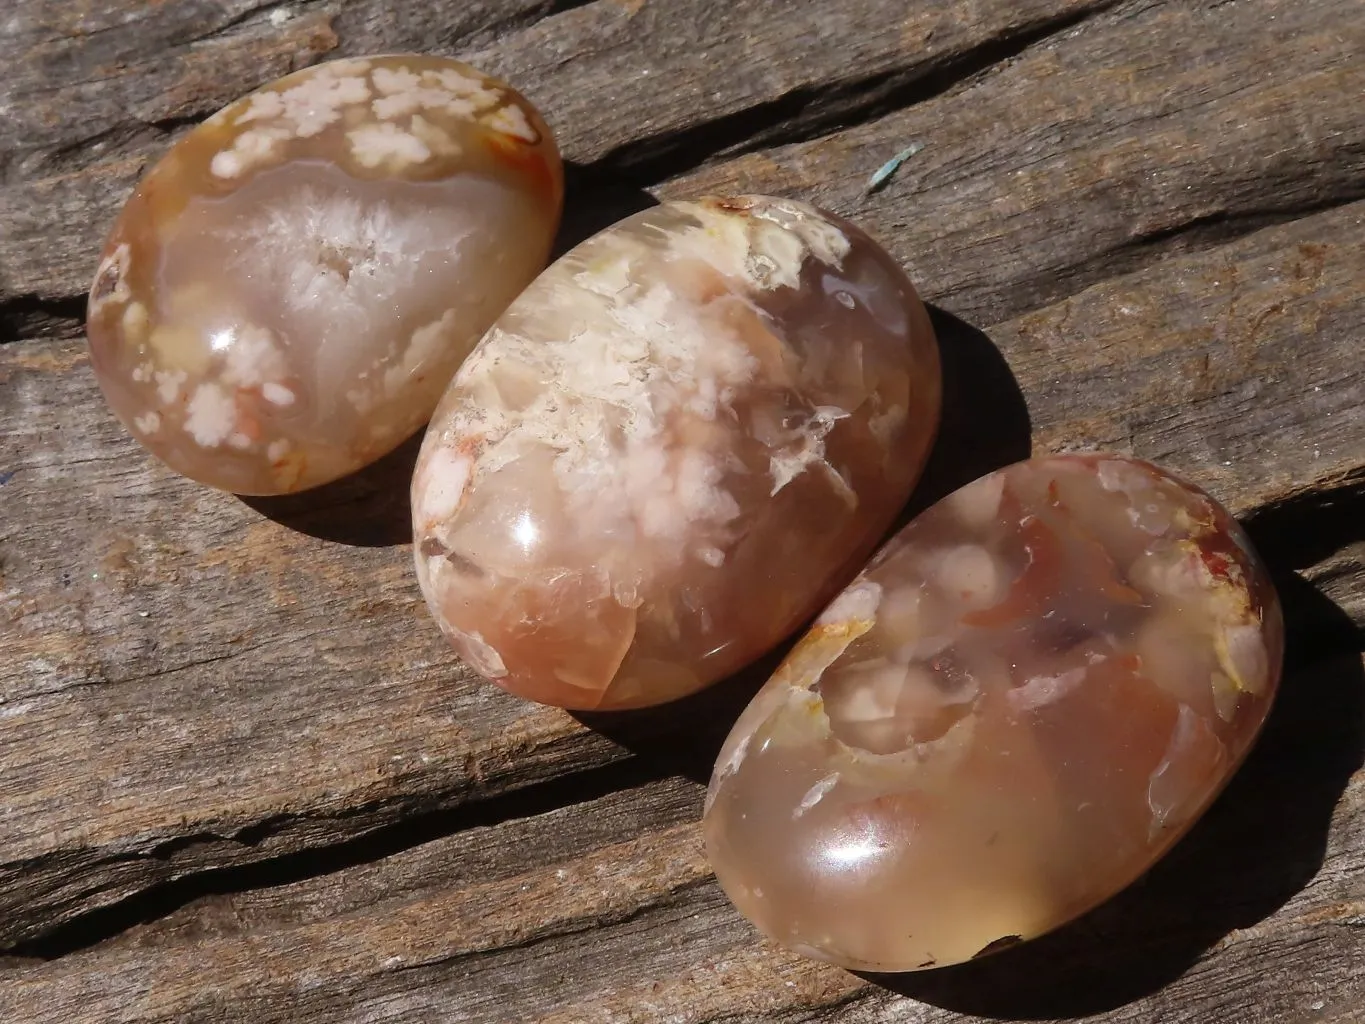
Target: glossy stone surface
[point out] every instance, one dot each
(671, 450)
(287, 293)
(1031, 692)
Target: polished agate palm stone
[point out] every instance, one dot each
(671, 450)
(288, 292)
(1029, 694)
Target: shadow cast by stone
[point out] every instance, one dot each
(684, 737)
(985, 423)
(591, 205)
(1153, 931)
(366, 509)
(985, 426)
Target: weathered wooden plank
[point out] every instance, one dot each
(189, 684)
(83, 78)
(662, 60)
(976, 214)
(446, 931)
(1159, 171)
(96, 94)
(1151, 129)
(490, 855)
(240, 765)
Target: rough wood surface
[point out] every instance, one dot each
(626, 85)
(241, 777)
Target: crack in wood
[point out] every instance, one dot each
(810, 113)
(31, 316)
(413, 827)
(525, 19)
(801, 115)
(577, 926)
(1214, 229)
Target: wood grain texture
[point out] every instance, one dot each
(97, 96)
(606, 911)
(1147, 130)
(629, 92)
(237, 689)
(243, 779)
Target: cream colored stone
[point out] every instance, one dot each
(646, 472)
(1073, 721)
(290, 291)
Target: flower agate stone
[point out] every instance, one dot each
(1029, 694)
(672, 449)
(288, 292)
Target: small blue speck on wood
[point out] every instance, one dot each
(886, 170)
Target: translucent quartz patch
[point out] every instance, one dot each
(289, 290)
(1029, 694)
(672, 448)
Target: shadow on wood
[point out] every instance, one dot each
(985, 426)
(684, 737)
(1260, 843)
(366, 509)
(591, 206)
(985, 423)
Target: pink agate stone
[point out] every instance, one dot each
(288, 292)
(671, 450)
(1030, 693)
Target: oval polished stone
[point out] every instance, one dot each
(1029, 694)
(672, 448)
(288, 291)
